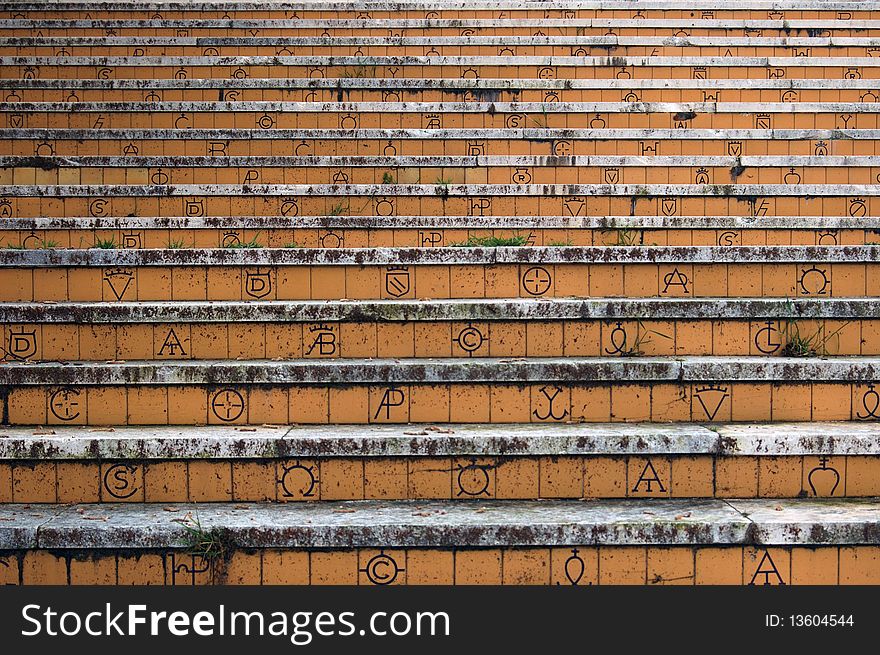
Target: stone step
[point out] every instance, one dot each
(37, 332)
(433, 231)
(453, 462)
(479, 390)
(513, 542)
(374, 273)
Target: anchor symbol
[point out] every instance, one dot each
(550, 412)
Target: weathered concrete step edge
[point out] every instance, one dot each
(605, 41)
(448, 524)
(414, 222)
(443, 60)
(569, 370)
(708, 108)
(596, 439)
(635, 191)
(448, 256)
(486, 85)
(384, 134)
(458, 309)
(433, 161)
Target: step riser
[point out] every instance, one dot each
(457, 478)
(759, 279)
(440, 403)
(589, 565)
(431, 237)
(536, 338)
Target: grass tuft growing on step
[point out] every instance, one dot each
(815, 344)
(212, 545)
(105, 244)
(489, 242)
(253, 243)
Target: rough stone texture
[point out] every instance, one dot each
(448, 524)
(394, 371)
(415, 256)
(222, 442)
(478, 309)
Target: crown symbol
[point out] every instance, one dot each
(702, 171)
(710, 387)
(115, 272)
(397, 269)
(856, 201)
(321, 327)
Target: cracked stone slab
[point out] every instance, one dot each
(456, 222)
(450, 256)
(471, 309)
(223, 442)
(446, 524)
(779, 439)
(19, 524)
(569, 370)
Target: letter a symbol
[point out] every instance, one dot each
(649, 476)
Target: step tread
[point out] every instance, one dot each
(517, 439)
(431, 524)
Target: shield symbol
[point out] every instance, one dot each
(734, 148)
(669, 206)
(258, 285)
(22, 345)
(612, 175)
(397, 281)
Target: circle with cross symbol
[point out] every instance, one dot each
(536, 281)
(227, 405)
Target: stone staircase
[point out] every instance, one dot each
(439, 292)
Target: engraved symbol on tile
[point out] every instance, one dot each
(767, 568)
(561, 148)
(230, 240)
(521, 176)
(21, 344)
(32, 73)
(390, 150)
(5, 208)
(430, 239)
(391, 398)
(397, 281)
(132, 240)
(845, 119)
(870, 404)
(857, 207)
(814, 281)
(852, 74)
(476, 148)
(217, 148)
(259, 284)
(317, 72)
(266, 122)
(32, 241)
(698, 72)
(332, 240)
(762, 121)
(728, 238)
(669, 206)
(622, 74)
(869, 96)
(172, 346)
(478, 206)
(618, 339)
(824, 476)
(16, 120)
(574, 568)
(211, 52)
(470, 339)
(188, 571)
(536, 281)
(550, 394)
(612, 175)
(227, 404)
(323, 339)
(193, 208)
(711, 398)
(118, 280)
(251, 177)
(790, 96)
(289, 207)
(676, 278)
(65, 405)
(708, 96)
(432, 122)
(513, 121)
(180, 122)
(469, 74)
(649, 477)
(701, 176)
(381, 569)
(298, 481)
(239, 74)
(159, 177)
(820, 149)
(766, 339)
(384, 207)
(98, 207)
(44, 149)
(152, 96)
(473, 479)
(120, 481)
(734, 148)
(348, 122)
(792, 177)
(575, 205)
(340, 177)
(648, 147)
(828, 238)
